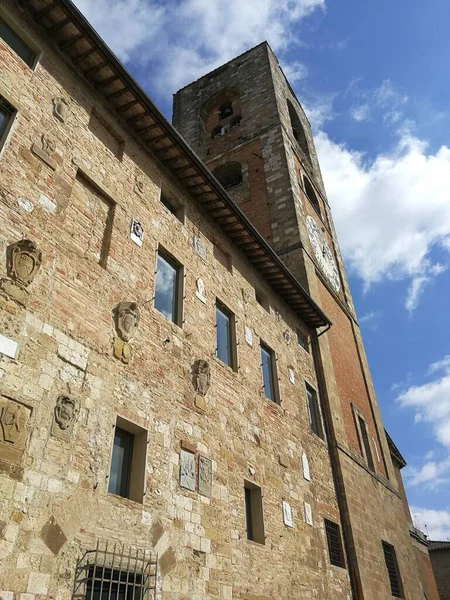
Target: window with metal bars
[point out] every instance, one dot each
(395, 581)
(7, 113)
(334, 540)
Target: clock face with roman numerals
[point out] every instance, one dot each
(322, 252)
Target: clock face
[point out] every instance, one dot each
(323, 253)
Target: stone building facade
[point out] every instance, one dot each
(244, 118)
(173, 412)
(440, 560)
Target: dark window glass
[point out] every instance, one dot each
(302, 341)
(16, 43)
(365, 441)
(166, 288)
(225, 110)
(114, 584)
(314, 412)
(334, 543)
(119, 477)
(268, 371)
(248, 513)
(6, 113)
(393, 570)
(312, 197)
(223, 335)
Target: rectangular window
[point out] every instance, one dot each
(302, 340)
(16, 43)
(168, 288)
(269, 373)
(395, 581)
(254, 512)
(7, 113)
(225, 336)
(314, 412)
(366, 443)
(334, 541)
(127, 472)
(115, 584)
(175, 208)
(262, 299)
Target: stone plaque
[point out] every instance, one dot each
(308, 514)
(200, 291)
(305, 465)
(187, 470)
(249, 336)
(291, 375)
(14, 419)
(205, 476)
(65, 415)
(200, 248)
(126, 316)
(287, 515)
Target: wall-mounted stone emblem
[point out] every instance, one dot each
(305, 466)
(287, 515)
(187, 470)
(61, 109)
(202, 377)
(23, 262)
(13, 429)
(65, 414)
(308, 514)
(139, 184)
(45, 150)
(200, 248)
(200, 291)
(249, 336)
(126, 318)
(205, 476)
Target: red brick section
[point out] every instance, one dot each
(427, 576)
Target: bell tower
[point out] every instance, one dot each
(245, 122)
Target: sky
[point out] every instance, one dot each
(373, 79)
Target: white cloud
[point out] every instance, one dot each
(390, 212)
(432, 474)
(180, 40)
(435, 523)
(431, 403)
(360, 113)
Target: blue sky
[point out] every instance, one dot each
(373, 79)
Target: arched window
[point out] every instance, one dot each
(311, 194)
(297, 129)
(225, 110)
(229, 174)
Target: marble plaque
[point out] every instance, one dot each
(200, 248)
(291, 375)
(287, 515)
(249, 336)
(308, 514)
(305, 465)
(187, 470)
(205, 476)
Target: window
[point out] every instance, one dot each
(269, 373)
(262, 300)
(302, 340)
(363, 437)
(225, 110)
(175, 209)
(16, 43)
(115, 584)
(297, 129)
(254, 512)
(168, 288)
(127, 472)
(229, 174)
(7, 113)
(334, 541)
(393, 571)
(314, 412)
(311, 194)
(225, 335)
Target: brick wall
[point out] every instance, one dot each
(440, 560)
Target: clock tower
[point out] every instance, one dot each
(245, 122)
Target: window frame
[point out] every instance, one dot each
(178, 294)
(254, 513)
(311, 195)
(25, 38)
(314, 412)
(305, 342)
(272, 372)
(333, 528)
(221, 307)
(137, 462)
(363, 440)
(386, 546)
(10, 119)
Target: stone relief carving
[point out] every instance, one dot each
(187, 470)
(13, 429)
(127, 318)
(48, 145)
(60, 108)
(122, 350)
(65, 414)
(205, 476)
(200, 291)
(23, 262)
(139, 184)
(44, 149)
(202, 377)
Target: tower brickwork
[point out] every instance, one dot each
(245, 118)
